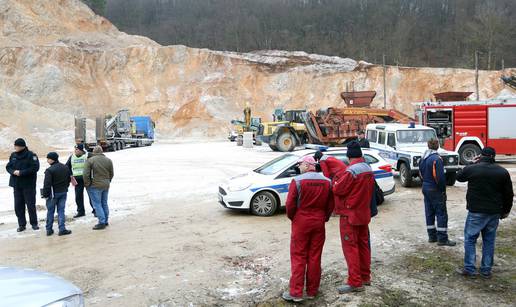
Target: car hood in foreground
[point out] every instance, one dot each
(27, 287)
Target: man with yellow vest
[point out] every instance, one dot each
(76, 165)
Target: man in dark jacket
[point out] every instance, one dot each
(489, 199)
(431, 168)
(364, 143)
(23, 167)
(309, 205)
(353, 190)
(76, 164)
(98, 173)
(55, 189)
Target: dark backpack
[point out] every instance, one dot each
(377, 199)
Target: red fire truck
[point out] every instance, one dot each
(469, 126)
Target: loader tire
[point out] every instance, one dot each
(286, 142)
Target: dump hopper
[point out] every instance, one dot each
(358, 99)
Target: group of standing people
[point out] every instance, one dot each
(349, 192)
(92, 172)
(489, 199)
(346, 190)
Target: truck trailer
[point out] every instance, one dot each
(116, 132)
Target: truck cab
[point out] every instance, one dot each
(403, 145)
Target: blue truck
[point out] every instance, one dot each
(117, 132)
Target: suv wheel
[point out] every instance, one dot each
(405, 175)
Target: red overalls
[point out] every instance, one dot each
(309, 206)
(353, 190)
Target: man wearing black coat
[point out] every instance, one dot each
(23, 167)
(364, 143)
(489, 198)
(55, 189)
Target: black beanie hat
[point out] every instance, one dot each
(488, 152)
(20, 142)
(53, 156)
(354, 150)
(80, 146)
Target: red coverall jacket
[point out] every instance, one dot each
(331, 166)
(353, 189)
(310, 196)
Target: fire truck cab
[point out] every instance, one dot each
(468, 126)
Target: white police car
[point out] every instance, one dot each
(264, 190)
(403, 145)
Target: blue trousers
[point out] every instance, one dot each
(476, 224)
(99, 200)
(435, 209)
(57, 201)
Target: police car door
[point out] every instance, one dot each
(390, 147)
(282, 182)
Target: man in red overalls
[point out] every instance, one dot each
(353, 190)
(309, 206)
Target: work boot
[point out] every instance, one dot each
(78, 215)
(99, 226)
(35, 227)
(447, 243)
(348, 289)
(367, 283)
(64, 232)
(50, 232)
(463, 272)
(486, 275)
(20, 229)
(432, 240)
(289, 298)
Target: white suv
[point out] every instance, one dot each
(403, 145)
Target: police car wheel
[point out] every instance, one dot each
(264, 204)
(405, 175)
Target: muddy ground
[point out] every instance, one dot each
(189, 251)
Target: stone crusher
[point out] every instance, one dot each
(337, 126)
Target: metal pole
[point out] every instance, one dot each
(476, 74)
(503, 67)
(384, 85)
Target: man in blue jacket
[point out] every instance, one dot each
(431, 168)
(23, 166)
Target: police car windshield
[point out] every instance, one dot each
(276, 165)
(415, 136)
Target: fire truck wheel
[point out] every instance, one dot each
(450, 178)
(405, 175)
(286, 142)
(468, 153)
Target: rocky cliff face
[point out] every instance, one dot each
(58, 60)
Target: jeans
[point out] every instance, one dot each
(486, 224)
(99, 200)
(22, 197)
(59, 201)
(435, 208)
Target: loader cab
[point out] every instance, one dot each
(295, 116)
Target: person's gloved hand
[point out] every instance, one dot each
(318, 155)
(318, 168)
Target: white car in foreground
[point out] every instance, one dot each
(264, 190)
(31, 288)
